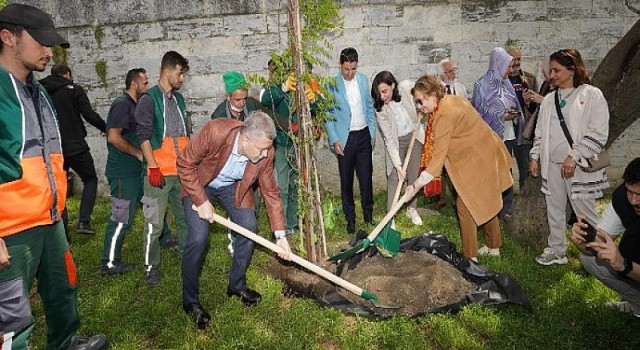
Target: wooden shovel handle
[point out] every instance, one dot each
(295, 258)
(405, 165)
(392, 212)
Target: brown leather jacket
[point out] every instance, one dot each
(205, 156)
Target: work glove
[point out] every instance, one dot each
(290, 84)
(156, 179)
(309, 94)
(315, 87)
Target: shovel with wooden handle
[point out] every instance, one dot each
(363, 293)
(388, 243)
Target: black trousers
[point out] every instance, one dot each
(521, 152)
(82, 164)
(198, 238)
(357, 157)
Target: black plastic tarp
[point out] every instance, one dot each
(492, 288)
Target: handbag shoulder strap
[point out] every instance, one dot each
(563, 123)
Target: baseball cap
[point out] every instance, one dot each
(37, 23)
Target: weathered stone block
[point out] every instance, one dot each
(521, 31)
(478, 31)
(570, 9)
(383, 16)
(437, 15)
(601, 27)
(228, 61)
(379, 35)
(450, 33)
(245, 24)
(410, 34)
(551, 31)
(151, 31)
(433, 52)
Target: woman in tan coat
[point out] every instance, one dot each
(475, 158)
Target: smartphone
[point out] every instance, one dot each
(591, 232)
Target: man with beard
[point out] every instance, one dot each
(521, 82)
(616, 265)
(33, 191)
(124, 170)
(162, 132)
(237, 104)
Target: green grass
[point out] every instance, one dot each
(569, 307)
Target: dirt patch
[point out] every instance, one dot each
(419, 281)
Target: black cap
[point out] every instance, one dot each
(37, 23)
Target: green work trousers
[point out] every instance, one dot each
(40, 252)
(154, 207)
(126, 193)
(287, 178)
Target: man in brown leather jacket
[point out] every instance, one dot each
(222, 162)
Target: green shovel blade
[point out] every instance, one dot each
(388, 242)
(367, 295)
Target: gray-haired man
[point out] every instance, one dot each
(221, 162)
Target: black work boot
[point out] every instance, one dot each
(96, 342)
(85, 228)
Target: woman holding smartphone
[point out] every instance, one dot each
(496, 101)
(559, 163)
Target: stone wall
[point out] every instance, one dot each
(403, 36)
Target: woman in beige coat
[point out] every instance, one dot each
(475, 158)
(397, 121)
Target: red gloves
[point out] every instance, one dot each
(156, 179)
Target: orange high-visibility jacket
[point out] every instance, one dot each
(33, 183)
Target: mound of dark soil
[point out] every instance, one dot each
(418, 281)
(428, 276)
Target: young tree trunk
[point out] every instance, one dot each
(310, 212)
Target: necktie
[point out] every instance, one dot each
(448, 87)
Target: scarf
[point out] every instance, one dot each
(433, 188)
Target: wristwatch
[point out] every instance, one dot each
(628, 266)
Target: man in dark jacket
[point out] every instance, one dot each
(72, 104)
(617, 265)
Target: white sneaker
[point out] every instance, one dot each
(412, 214)
(489, 251)
(549, 257)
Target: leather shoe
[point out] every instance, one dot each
(198, 315)
(85, 229)
(248, 296)
(96, 342)
(351, 228)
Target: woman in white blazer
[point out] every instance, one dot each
(397, 121)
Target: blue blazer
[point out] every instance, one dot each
(338, 127)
